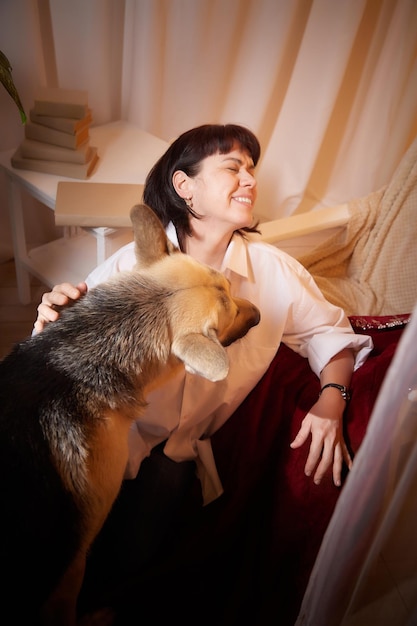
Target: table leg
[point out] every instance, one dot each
(19, 241)
(104, 248)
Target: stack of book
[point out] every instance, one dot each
(57, 137)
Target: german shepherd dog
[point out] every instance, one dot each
(68, 397)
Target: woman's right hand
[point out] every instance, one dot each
(61, 296)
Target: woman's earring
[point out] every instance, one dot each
(189, 202)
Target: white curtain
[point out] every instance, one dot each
(366, 570)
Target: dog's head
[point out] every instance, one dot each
(204, 317)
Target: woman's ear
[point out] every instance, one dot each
(182, 184)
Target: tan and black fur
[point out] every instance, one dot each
(67, 400)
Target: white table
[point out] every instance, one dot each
(126, 153)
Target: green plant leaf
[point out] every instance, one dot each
(7, 80)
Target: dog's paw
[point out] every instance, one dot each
(101, 617)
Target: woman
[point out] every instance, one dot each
(204, 190)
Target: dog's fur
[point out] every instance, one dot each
(67, 400)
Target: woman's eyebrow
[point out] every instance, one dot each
(239, 161)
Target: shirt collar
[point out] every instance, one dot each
(236, 258)
(172, 234)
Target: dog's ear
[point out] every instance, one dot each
(151, 242)
(202, 355)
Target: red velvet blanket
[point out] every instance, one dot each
(247, 556)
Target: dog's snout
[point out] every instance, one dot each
(247, 316)
(256, 315)
(249, 312)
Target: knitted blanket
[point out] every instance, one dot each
(371, 268)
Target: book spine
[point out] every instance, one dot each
(70, 170)
(32, 149)
(60, 109)
(64, 124)
(56, 137)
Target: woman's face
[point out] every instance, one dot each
(224, 190)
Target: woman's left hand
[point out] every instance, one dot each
(328, 448)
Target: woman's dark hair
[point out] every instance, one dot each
(186, 154)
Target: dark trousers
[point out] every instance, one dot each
(139, 528)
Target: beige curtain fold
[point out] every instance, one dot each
(328, 87)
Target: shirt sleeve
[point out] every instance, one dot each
(121, 261)
(317, 329)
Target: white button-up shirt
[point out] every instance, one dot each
(187, 409)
